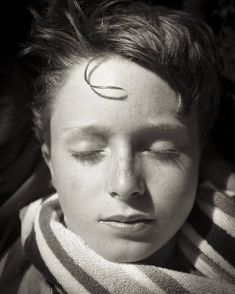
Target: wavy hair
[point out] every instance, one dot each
(170, 43)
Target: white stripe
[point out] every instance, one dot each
(199, 263)
(140, 277)
(229, 193)
(205, 268)
(27, 283)
(207, 249)
(3, 261)
(27, 216)
(220, 218)
(60, 273)
(208, 184)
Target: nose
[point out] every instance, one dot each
(124, 182)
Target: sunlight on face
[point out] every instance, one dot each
(125, 170)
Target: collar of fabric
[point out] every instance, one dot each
(69, 264)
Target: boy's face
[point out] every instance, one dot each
(125, 170)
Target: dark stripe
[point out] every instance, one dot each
(164, 281)
(221, 273)
(217, 199)
(182, 263)
(32, 251)
(10, 233)
(194, 252)
(14, 269)
(74, 269)
(223, 243)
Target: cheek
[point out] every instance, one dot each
(173, 191)
(77, 199)
(77, 187)
(70, 176)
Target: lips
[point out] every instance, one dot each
(129, 218)
(128, 224)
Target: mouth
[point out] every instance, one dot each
(128, 224)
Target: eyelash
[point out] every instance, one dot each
(94, 157)
(168, 156)
(91, 157)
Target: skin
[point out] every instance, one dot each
(128, 157)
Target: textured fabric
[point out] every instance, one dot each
(60, 262)
(208, 237)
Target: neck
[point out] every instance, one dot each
(164, 257)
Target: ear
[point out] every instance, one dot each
(47, 157)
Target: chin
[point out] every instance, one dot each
(130, 253)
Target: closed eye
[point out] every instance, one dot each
(89, 157)
(166, 156)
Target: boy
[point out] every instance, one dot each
(126, 96)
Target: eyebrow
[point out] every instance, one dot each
(72, 133)
(102, 132)
(152, 131)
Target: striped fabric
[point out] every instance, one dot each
(207, 239)
(60, 262)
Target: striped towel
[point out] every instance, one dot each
(207, 239)
(60, 262)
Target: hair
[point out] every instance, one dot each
(170, 43)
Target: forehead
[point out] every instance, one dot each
(148, 99)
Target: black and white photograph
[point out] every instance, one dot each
(117, 149)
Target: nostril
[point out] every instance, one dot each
(136, 194)
(132, 195)
(114, 194)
